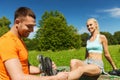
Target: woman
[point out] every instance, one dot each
(93, 64)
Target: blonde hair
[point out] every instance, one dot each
(96, 22)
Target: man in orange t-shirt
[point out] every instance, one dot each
(13, 53)
(13, 48)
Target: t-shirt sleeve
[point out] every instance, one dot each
(8, 50)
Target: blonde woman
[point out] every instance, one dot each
(93, 63)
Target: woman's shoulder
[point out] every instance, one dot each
(102, 37)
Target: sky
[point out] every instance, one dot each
(76, 12)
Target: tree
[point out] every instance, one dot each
(31, 44)
(84, 38)
(4, 25)
(55, 34)
(117, 37)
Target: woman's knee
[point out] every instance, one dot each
(73, 62)
(76, 63)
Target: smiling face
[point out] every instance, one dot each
(25, 26)
(92, 26)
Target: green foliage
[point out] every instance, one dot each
(62, 58)
(4, 25)
(47, 15)
(54, 33)
(84, 38)
(31, 44)
(4, 22)
(117, 36)
(3, 30)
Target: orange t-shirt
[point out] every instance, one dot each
(12, 47)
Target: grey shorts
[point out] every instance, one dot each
(99, 63)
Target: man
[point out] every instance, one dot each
(13, 53)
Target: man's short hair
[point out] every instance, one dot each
(23, 12)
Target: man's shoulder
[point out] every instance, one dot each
(7, 39)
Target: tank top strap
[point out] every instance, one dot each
(98, 37)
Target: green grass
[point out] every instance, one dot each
(62, 58)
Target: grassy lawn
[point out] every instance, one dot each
(62, 58)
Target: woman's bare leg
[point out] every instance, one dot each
(75, 63)
(88, 69)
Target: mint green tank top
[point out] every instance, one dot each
(94, 46)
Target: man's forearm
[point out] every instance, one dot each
(34, 70)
